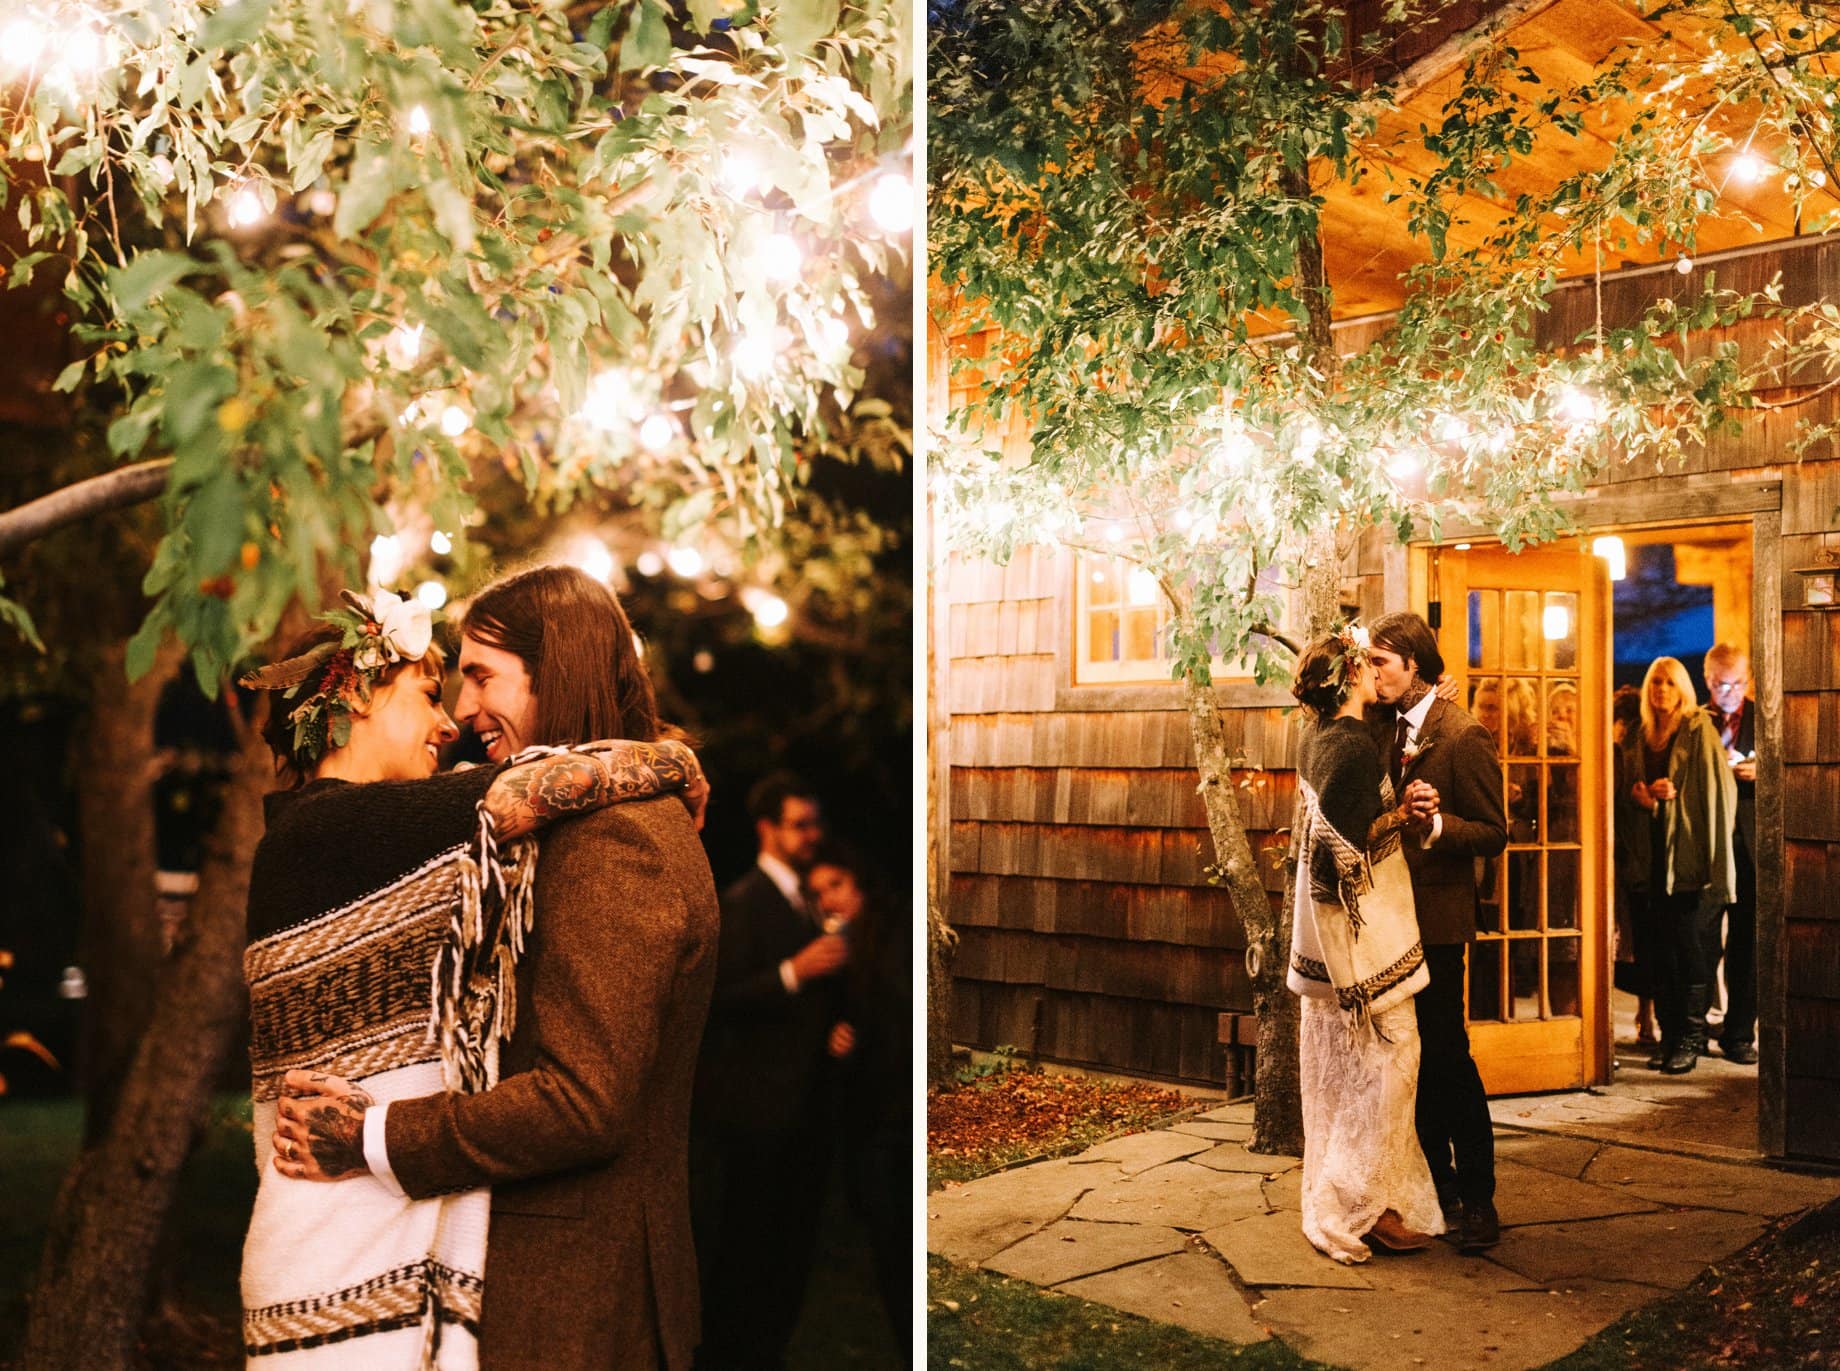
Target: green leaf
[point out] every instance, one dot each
(232, 25)
(146, 641)
(368, 189)
(801, 23)
(648, 41)
(15, 615)
(146, 276)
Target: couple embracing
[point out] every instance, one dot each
(473, 1054)
(1399, 795)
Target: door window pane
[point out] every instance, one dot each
(1562, 803)
(1562, 975)
(1521, 641)
(1559, 629)
(1562, 719)
(1485, 982)
(1521, 710)
(1523, 890)
(1524, 978)
(1484, 628)
(1485, 706)
(1562, 888)
(1524, 803)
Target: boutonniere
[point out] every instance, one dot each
(1412, 750)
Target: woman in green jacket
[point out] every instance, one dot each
(1679, 776)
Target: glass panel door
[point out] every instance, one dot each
(1524, 633)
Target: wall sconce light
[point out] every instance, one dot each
(1821, 582)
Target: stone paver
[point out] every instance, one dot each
(1181, 1195)
(1454, 1314)
(1608, 1198)
(1285, 1194)
(1232, 1156)
(1664, 1249)
(1188, 1289)
(1070, 1249)
(1270, 1249)
(1219, 1132)
(971, 1222)
(1229, 1113)
(1547, 1152)
(1137, 1152)
(1685, 1180)
(1526, 1194)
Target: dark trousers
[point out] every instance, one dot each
(756, 1202)
(1740, 953)
(1453, 1122)
(1686, 929)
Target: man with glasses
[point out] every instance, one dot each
(760, 1143)
(1728, 682)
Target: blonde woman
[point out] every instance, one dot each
(1681, 779)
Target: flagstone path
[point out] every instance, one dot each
(1185, 1226)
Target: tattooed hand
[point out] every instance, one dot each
(320, 1133)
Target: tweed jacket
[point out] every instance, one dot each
(584, 1141)
(1746, 743)
(1456, 755)
(763, 1062)
(1698, 822)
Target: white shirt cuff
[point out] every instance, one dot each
(788, 978)
(375, 1155)
(1437, 827)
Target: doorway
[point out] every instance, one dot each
(1538, 641)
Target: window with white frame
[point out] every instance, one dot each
(1121, 625)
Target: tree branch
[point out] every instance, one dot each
(112, 490)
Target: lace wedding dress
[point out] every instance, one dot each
(1360, 1152)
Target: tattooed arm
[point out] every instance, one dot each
(531, 794)
(319, 1135)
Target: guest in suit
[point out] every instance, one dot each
(762, 1149)
(584, 1140)
(1728, 682)
(1428, 739)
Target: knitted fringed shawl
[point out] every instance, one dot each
(1354, 930)
(386, 924)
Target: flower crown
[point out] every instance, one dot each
(1354, 643)
(379, 631)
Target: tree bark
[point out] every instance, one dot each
(1277, 1109)
(95, 1273)
(116, 770)
(116, 489)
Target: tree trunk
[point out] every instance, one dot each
(940, 940)
(116, 770)
(1277, 1110)
(95, 1272)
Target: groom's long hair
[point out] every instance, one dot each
(576, 642)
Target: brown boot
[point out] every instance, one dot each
(1390, 1231)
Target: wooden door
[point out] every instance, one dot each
(1527, 636)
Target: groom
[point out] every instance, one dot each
(584, 1140)
(1423, 738)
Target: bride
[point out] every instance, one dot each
(1356, 961)
(384, 927)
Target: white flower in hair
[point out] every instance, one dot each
(1358, 632)
(406, 627)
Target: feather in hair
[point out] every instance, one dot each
(282, 675)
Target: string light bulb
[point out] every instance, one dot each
(891, 204)
(687, 562)
(432, 594)
(245, 208)
(441, 543)
(657, 433)
(1747, 169)
(418, 122)
(455, 421)
(1684, 265)
(781, 258)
